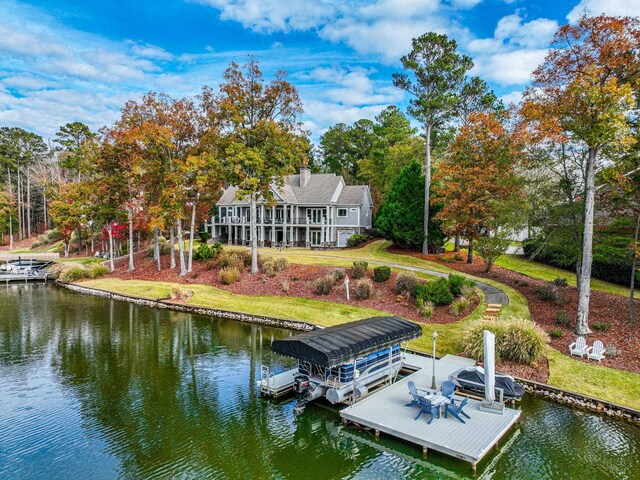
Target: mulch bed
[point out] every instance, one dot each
(604, 307)
(298, 278)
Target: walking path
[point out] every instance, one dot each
(491, 293)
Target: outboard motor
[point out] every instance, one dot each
(301, 386)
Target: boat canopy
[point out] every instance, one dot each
(344, 343)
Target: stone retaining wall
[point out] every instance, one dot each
(577, 400)
(209, 312)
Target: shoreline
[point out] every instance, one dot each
(565, 397)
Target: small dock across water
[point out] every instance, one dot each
(385, 411)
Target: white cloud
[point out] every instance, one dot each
(512, 97)
(608, 7)
(515, 50)
(510, 68)
(268, 16)
(152, 52)
(26, 82)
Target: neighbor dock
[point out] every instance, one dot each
(38, 276)
(385, 412)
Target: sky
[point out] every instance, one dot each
(81, 60)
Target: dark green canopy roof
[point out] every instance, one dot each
(344, 343)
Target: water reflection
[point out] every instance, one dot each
(92, 388)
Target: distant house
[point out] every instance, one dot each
(311, 210)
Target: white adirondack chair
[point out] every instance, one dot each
(579, 347)
(597, 351)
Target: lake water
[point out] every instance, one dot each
(96, 389)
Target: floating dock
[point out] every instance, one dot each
(384, 411)
(38, 276)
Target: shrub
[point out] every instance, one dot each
(338, 274)
(562, 318)
(601, 326)
(96, 270)
(231, 260)
(406, 283)
(363, 290)
(560, 282)
(280, 264)
(72, 274)
(456, 282)
(359, 269)
(556, 333)
(262, 259)
(208, 252)
(163, 246)
(245, 255)
(458, 257)
(269, 268)
(460, 305)
(285, 285)
(517, 340)
(357, 239)
(381, 274)
(204, 236)
(424, 308)
(436, 291)
(323, 285)
(550, 293)
(612, 351)
(469, 291)
(445, 259)
(229, 275)
(179, 293)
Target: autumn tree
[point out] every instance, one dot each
(260, 140)
(479, 188)
(583, 93)
(436, 74)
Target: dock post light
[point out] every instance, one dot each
(433, 374)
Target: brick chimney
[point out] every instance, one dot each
(305, 176)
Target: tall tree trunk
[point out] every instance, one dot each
(634, 266)
(44, 210)
(582, 323)
(28, 204)
(79, 239)
(172, 242)
(254, 233)
(138, 241)
(427, 188)
(131, 266)
(20, 217)
(10, 210)
(156, 247)
(183, 266)
(110, 234)
(193, 227)
(456, 243)
(470, 252)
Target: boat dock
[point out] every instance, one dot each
(384, 411)
(37, 276)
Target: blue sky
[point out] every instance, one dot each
(80, 60)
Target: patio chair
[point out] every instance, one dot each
(448, 387)
(427, 407)
(597, 351)
(456, 410)
(579, 347)
(413, 390)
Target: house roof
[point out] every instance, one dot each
(344, 343)
(319, 191)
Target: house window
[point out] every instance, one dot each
(342, 212)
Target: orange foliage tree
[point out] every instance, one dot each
(584, 93)
(478, 185)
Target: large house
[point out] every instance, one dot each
(310, 210)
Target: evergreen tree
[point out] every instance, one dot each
(400, 218)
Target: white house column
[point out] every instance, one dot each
(261, 237)
(213, 227)
(284, 223)
(293, 220)
(307, 240)
(328, 224)
(273, 226)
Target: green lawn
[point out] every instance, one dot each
(518, 263)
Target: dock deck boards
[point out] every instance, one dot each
(386, 412)
(10, 277)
